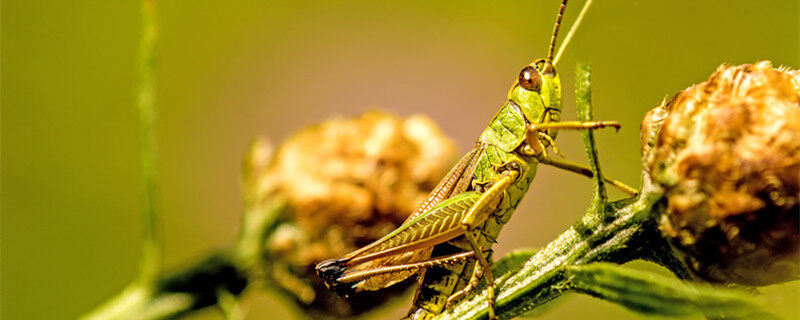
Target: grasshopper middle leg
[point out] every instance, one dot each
(473, 283)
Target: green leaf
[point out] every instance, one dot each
(583, 97)
(654, 294)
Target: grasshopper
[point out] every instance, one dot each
(448, 239)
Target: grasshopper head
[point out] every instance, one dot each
(537, 92)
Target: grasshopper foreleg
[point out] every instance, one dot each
(574, 125)
(538, 131)
(549, 139)
(535, 147)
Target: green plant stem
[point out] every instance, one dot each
(142, 289)
(148, 179)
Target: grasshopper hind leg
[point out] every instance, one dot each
(488, 277)
(477, 215)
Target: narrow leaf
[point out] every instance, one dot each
(654, 294)
(583, 97)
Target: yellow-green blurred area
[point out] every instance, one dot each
(229, 71)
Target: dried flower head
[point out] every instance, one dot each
(345, 183)
(727, 154)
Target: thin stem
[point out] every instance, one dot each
(148, 179)
(142, 292)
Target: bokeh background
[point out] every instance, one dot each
(231, 70)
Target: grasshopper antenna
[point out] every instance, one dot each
(571, 30)
(555, 31)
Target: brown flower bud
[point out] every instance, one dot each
(727, 154)
(343, 183)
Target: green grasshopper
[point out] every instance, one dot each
(448, 239)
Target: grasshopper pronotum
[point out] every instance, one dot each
(448, 239)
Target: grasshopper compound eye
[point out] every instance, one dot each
(530, 79)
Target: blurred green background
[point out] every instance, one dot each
(229, 71)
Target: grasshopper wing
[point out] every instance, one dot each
(410, 243)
